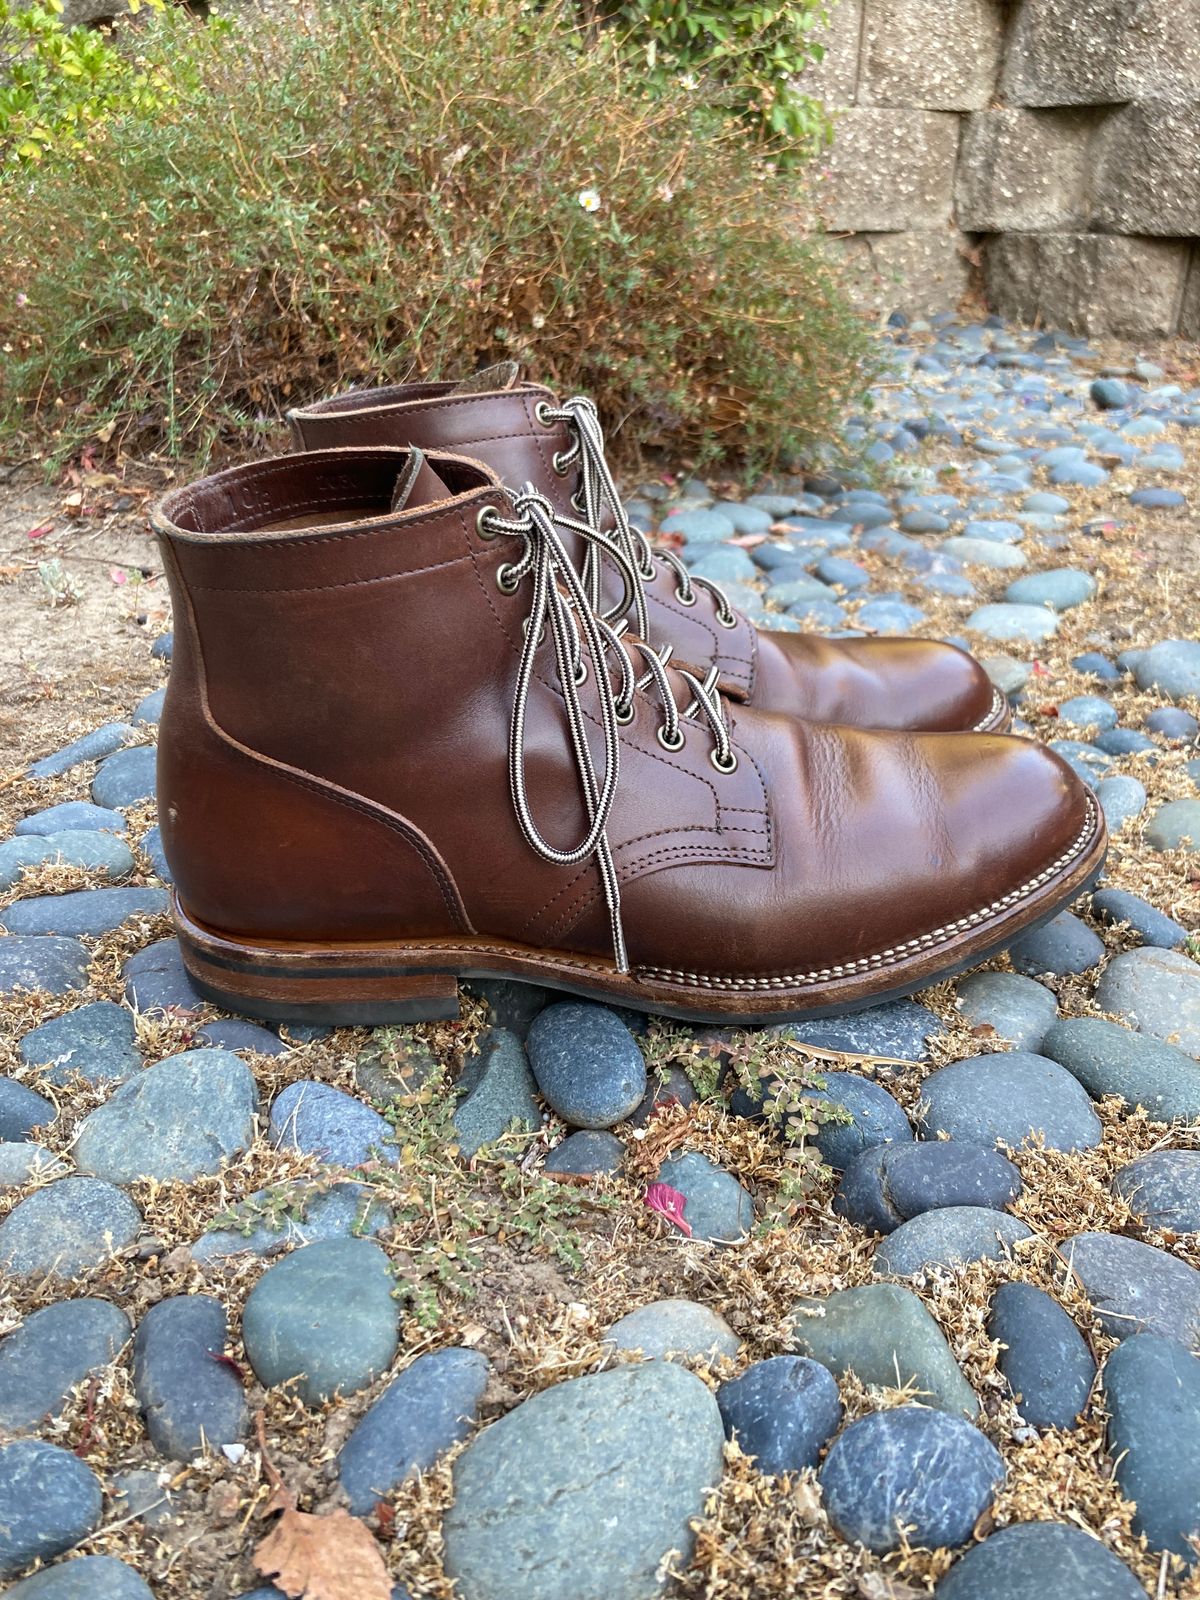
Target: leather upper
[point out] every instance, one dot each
(334, 748)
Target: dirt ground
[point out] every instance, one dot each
(497, 1258)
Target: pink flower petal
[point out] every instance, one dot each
(669, 1203)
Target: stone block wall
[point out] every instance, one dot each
(1046, 152)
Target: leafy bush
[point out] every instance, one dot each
(748, 50)
(365, 191)
(56, 81)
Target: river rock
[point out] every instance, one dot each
(1009, 1098)
(1152, 1394)
(883, 1334)
(674, 1328)
(587, 1064)
(556, 1498)
(782, 1411)
(1108, 1059)
(1163, 1189)
(1136, 1288)
(950, 1237)
(432, 1405)
(191, 1398)
(910, 1473)
(49, 1501)
(1019, 1009)
(52, 1351)
(1039, 1561)
(67, 1227)
(1156, 992)
(323, 1316)
(718, 1209)
(1045, 1358)
(497, 1090)
(95, 1041)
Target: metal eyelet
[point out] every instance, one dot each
(727, 619)
(560, 465)
(542, 412)
(685, 599)
(624, 717)
(580, 674)
(723, 766)
(647, 573)
(483, 525)
(577, 502)
(506, 580)
(664, 739)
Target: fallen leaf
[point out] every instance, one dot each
(748, 541)
(118, 575)
(40, 532)
(669, 1203)
(323, 1558)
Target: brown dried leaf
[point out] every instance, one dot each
(323, 1558)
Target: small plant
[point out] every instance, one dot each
(56, 82)
(748, 53)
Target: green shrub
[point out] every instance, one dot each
(370, 191)
(55, 82)
(749, 51)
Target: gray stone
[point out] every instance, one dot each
(670, 1088)
(1136, 1288)
(68, 1227)
(22, 1161)
(90, 849)
(1121, 800)
(396, 1063)
(1061, 588)
(1163, 1189)
(180, 1119)
(1019, 1009)
(1146, 181)
(1172, 666)
(587, 1064)
(717, 1208)
(899, 1029)
(85, 1578)
(883, 1334)
(1153, 927)
(894, 1183)
(151, 846)
(21, 1111)
(782, 1412)
(1170, 722)
(53, 1350)
(33, 962)
(702, 527)
(323, 1317)
(324, 1121)
(144, 1495)
(1010, 676)
(126, 778)
(1009, 1099)
(911, 1474)
(555, 1497)
(191, 1398)
(432, 1405)
(669, 1328)
(90, 747)
(72, 816)
(1175, 826)
(148, 712)
(940, 54)
(1088, 711)
(234, 1033)
(949, 1237)
(95, 1041)
(1109, 1059)
(890, 169)
(589, 1153)
(49, 1501)
(1157, 992)
(1044, 1356)
(1022, 171)
(874, 1117)
(1062, 945)
(987, 553)
(1034, 624)
(1152, 1393)
(156, 981)
(1102, 53)
(1031, 1560)
(497, 1091)
(1090, 282)
(86, 912)
(273, 1220)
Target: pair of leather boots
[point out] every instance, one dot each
(438, 711)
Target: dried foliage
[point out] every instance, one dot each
(351, 193)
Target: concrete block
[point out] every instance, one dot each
(919, 273)
(834, 79)
(942, 55)
(1101, 52)
(1091, 283)
(1148, 173)
(890, 170)
(1021, 171)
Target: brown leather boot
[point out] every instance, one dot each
(525, 435)
(398, 749)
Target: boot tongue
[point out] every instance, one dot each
(504, 375)
(418, 485)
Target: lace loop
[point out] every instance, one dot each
(586, 645)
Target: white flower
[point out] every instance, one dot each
(589, 199)
(665, 193)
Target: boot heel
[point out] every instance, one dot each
(332, 986)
